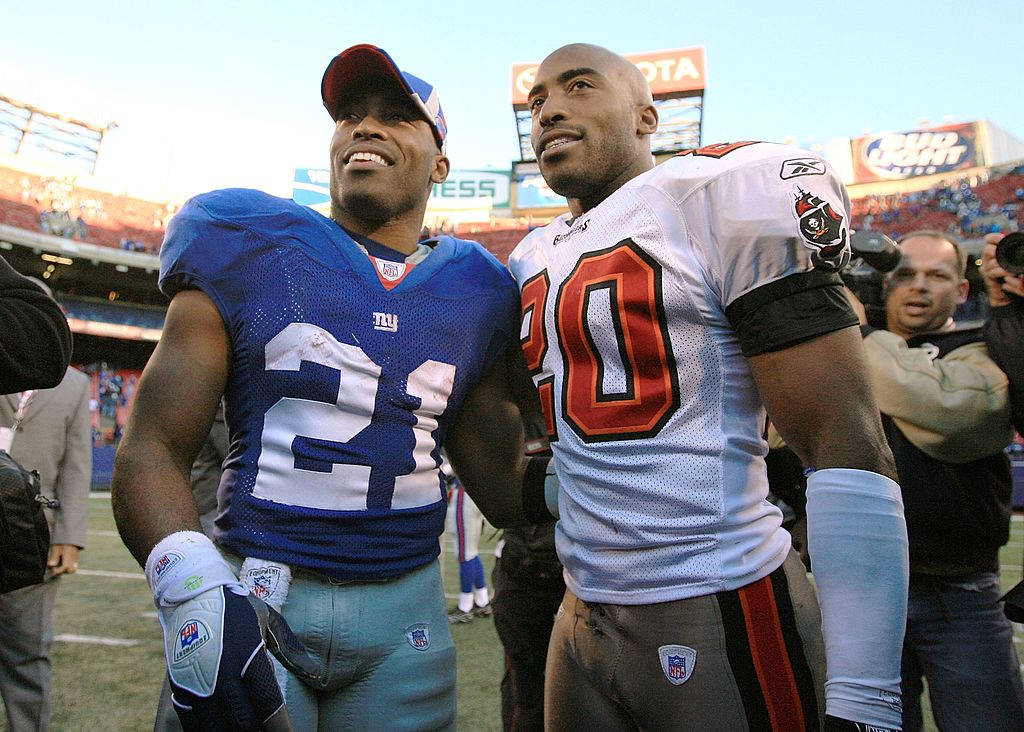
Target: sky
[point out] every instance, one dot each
(213, 94)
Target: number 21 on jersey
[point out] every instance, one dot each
(345, 488)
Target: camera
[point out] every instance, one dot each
(1010, 253)
(874, 254)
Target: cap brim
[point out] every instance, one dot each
(354, 65)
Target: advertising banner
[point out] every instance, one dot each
(471, 189)
(464, 189)
(926, 151)
(533, 192)
(678, 72)
(312, 187)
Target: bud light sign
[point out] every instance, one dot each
(899, 155)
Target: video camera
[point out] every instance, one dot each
(1010, 253)
(874, 254)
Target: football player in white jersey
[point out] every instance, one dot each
(662, 316)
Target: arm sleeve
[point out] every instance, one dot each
(1004, 336)
(35, 347)
(73, 482)
(857, 537)
(954, 409)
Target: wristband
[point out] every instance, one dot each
(186, 564)
(551, 489)
(535, 504)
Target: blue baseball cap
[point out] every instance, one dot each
(365, 61)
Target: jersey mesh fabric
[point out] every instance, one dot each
(680, 509)
(335, 441)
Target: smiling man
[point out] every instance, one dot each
(343, 349)
(662, 315)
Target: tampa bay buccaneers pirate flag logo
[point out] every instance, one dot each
(823, 230)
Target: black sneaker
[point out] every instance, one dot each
(459, 616)
(483, 611)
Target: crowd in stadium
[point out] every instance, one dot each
(961, 206)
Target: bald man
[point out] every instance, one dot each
(664, 314)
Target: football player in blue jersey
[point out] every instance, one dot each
(344, 350)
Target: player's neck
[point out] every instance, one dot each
(640, 165)
(400, 234)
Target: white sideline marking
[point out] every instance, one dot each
(107, 573)
(104, 532)
(94, 640)
(99, 494)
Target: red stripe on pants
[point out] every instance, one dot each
(771, 661)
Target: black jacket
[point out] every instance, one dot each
(35, 342)
(958, 514)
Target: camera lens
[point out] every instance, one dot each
(1010, 253)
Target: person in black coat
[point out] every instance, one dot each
(35, 342)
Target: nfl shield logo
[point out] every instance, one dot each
(418, 636)
(391, 271)
(677, 662)
(192, 635)
(263, 581)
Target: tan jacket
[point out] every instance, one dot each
(55, 438)
(954, 409)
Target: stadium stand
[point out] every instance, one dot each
(27, 199)
(960, 206)
(499, 242)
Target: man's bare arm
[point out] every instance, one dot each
(819, 397)
(174, 408)
(485, 444)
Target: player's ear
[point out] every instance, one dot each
(647, 120)
(441, 167)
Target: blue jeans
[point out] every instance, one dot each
(959, 640)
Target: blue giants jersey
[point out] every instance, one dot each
(340, 390)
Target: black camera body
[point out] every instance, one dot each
(1010, 253)
(874, 254)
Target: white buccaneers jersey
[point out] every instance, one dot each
(637, 316)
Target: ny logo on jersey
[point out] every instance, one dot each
(385, 321)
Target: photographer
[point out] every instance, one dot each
(35, 345)
(1004, 333)
(945, 410)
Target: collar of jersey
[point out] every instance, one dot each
(353, 247)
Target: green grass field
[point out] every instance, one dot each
(109, 688)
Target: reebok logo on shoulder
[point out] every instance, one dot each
(801, 166)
